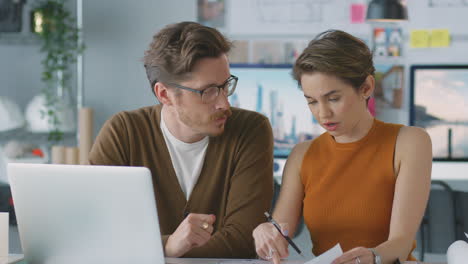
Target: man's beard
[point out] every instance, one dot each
(197, 124)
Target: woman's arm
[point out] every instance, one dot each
(287, 209)
(413, 158)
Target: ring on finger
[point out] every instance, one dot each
(358, 260)
(205, 226)
(270, 253)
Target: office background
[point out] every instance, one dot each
(116, 33)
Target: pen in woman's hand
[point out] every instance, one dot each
(275, 224)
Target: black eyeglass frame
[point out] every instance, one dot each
(220, 87)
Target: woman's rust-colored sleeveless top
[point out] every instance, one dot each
(349, 189)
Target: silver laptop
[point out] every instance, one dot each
(86, 214)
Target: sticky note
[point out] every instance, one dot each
(358, 13)
(4, 234)
(419, 39)
(440, 38)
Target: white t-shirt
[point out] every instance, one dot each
(187, 158)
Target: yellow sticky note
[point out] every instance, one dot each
(440, 38)
(419, 39)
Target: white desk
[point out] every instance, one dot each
(17, 258)
(12, 258)
(455, 174)
(246, 261)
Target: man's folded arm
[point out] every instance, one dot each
(250, 195)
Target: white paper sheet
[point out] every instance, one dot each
(258, 261)
(328, 256)
(457, 253)
(12, 258)
(325, 258)
(226, 261)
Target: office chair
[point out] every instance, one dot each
(461, 214)
(6, 202)
(439, 225)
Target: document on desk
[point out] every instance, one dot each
(325, 258)
(328, 256)
(225, 261)
(258, 261)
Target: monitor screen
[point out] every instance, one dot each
(271, 90)
(439, 103)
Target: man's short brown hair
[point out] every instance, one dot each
(177, 47)
(339, 54)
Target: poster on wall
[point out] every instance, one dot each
(11, 15)
(239, 52)
(387, 42)
(276, 52)
(388, 94)
(440, 105)
(266, 51)
(212, 13)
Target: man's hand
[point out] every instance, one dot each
(194, 231)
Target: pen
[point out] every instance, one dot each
(271, 220)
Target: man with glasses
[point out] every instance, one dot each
(211, 164)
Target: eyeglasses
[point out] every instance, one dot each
(210, 94)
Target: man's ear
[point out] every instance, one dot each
(368, 87)
(162, 93)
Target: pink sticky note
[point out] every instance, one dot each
(358, 13)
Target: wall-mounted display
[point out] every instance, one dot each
(271, 90)
(439, 103)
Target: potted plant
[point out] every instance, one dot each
(59, 35)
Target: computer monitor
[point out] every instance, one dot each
(272, 91)
(439, 103)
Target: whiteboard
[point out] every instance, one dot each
(433, 14)
(291, 17)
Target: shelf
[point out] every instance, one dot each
(389, 60)
(25, 135)
(19, 38)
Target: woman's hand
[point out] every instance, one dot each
(359, 255)
(269, 243)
